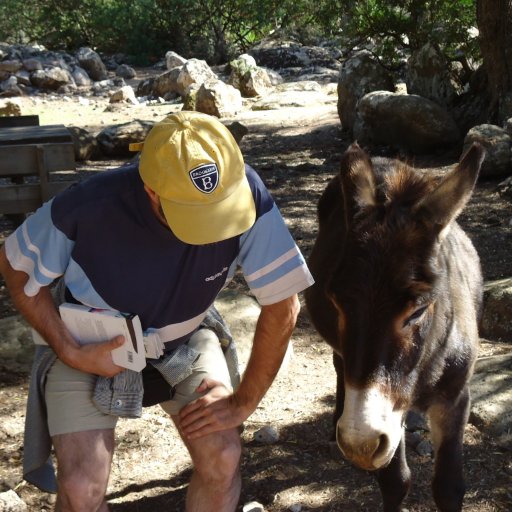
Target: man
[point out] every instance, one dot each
(159, 238)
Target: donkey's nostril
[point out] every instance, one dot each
(382, 447)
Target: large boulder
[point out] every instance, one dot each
(218, 99)
(10, 66)
(498, 144)
(164, 85)
(125, 71)
(428, 75)
(359, 75)
(491, 400)
(281, 54)
(496, 323)
(404, 121)
(50, 79)
(84, 143)
(115, 140)
(173, 60)
(194, 71)
(92, 63)
(10, 87)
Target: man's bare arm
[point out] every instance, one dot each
(42, 315)
(219, 410)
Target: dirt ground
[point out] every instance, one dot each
(296, 151)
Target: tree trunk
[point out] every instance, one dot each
(494, 19)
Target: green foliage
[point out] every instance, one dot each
(390, 27)
(218, 30)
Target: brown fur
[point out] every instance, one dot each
(397, 296)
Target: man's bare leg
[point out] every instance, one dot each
(216, 482)
(83, 463)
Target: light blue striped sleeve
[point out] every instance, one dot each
(271, 262)
(39, 249)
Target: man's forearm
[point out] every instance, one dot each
(273, 331)
(39, 310)
(41, 313)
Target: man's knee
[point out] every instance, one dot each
(83, 463)
(219, 461)
(79, 494)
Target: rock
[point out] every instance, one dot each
(508, 126)
(192, 72)
(498, 145)
(415, 421)
(267, 435)
(126, 71)
(238, 130)
(280, 54)
(85, 144)
(124, 95)
(81, 77)
(424, 448)
(428, 75)
(10, 108)
(491, 408)
(50, 79)
(295, 98)
(11, 502)
(173, 60)
(404, 121)
(22, 77)
(17, 344)
(413, 439)
(190, 99)
(253, 506)
(255, 82)
(32, 64)
(496, 323)
(359, 75)
(12, 427)
(10, 66)
(162, 85)
(505, 188)
(101, 88)
(239, 67)
(92, 63)
(10, 87)
(218, 99)
(115, 140)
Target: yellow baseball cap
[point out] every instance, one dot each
(194, 165)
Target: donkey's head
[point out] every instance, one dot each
(384, 288)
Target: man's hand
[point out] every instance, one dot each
(216, 410)
(95, 358)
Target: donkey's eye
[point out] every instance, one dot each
(416, 315)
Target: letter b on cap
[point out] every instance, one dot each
(205, 178)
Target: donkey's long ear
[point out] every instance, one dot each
(357, 181)
(448, 199)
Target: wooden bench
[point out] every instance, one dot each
(10, 121)
(30, 159)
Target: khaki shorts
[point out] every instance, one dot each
(68, 392)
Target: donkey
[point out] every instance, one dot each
(397, 295)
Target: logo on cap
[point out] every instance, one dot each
(205, 178)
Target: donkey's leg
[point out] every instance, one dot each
(395, 480)
(447, 423)
(340, 391)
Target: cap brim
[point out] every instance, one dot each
(202, 224)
